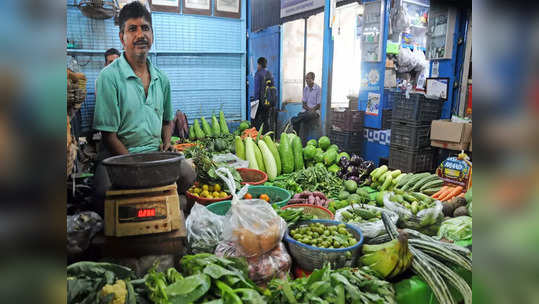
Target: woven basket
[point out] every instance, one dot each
(252, 176)
(310, 258)
(320, 212)
(76, 95)
(71, 150)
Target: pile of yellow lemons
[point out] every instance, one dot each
(208, 191)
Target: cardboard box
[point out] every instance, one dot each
(450, 135)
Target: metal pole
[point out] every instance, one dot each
(304, 52)
(327, 63)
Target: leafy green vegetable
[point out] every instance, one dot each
(310, 179)
(345, 285)
(293, 215)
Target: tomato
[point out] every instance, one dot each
(264, 197)
(248, 196)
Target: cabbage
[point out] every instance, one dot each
(456, 229)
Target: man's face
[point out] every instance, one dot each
(137, 37)
(110, 59)
(309, 80)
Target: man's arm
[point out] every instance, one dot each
(318, 100)
(113, 143)
(304, 101)
(166, 134)
(257, 86)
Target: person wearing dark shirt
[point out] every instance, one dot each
(264, 112)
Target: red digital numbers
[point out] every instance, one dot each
(146, 212)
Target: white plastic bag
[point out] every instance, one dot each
(204, 229)
(407, 219)
(230, 160)
(370, 229)
(264, 268)
(252, 225)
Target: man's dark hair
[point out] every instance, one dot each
(134, 9)
(262, 61)
(311, 74)
(112, 51)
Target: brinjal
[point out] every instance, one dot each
(355, 160)
(343, 161)
(340, 174)
(353, 170)
(354, 178)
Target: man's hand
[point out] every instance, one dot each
(113, 144)
(165, 147)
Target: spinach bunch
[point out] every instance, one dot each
(345, 285)
(208, 279)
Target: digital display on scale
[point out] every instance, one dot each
(142, 212)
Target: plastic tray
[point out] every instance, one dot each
(416, 109)
(409, 135)
(320, 212)
(252, 176)
(409, 160)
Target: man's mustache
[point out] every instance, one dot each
(141, 42)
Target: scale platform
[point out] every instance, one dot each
(131, 212)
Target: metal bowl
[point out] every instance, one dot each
(143, 170)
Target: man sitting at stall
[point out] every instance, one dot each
(309, 117)
(133, 107)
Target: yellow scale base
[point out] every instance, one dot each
(142, 211)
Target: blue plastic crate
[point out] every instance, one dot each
(389, 96)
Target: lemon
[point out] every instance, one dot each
(209, 197)
(205, 187)
(223, 195)
(197, 190)
(195, 194)
(210, 188)
(217, 187)
(204, 193)
(215, 194)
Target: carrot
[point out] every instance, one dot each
(444, 194)
(456, 191)
(461, 195)
(437, 194)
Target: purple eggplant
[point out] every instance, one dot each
(353, 170)
(344, 162)
(356, 160)
(354, 178)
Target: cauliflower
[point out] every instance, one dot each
(118, 289)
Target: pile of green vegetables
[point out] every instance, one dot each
(361, 215)
(413, 201)
(345, 285)
(293, 215)
(383, 179)
(217, 128)
(315, 178)
(352, 195)
(208, 279)
(319, 235)
(206, 167)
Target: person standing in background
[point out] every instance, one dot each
(111, 55)
(265, 94)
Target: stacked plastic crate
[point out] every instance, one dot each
(347, 129)
(410, 149)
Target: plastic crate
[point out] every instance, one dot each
(349, 120)
(410, 160)
(347, 141)
(409, 135)
(416, 109)
(390, 95)
(386, 118)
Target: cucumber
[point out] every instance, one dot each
(387, 182)
(382, 178)
(422, 197)
(396, 173)
(404, 179)
(240, 147)
(432, 184)
(383, 169)
(409, 198)
(431, 191)
(297, 149)
(399, 178)
(375, 171)
(423, 181)
(414, 180)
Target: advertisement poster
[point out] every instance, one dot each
(373, 104)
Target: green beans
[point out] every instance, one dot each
(319, 235)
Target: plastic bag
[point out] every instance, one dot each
(456, 229)
(423, 218)
(252, 225)
(81, 228)
(370, 229)
(406, 60)
(264, 268)
(231, 160)
(204, 229)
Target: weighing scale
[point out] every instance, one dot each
(130, 212)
